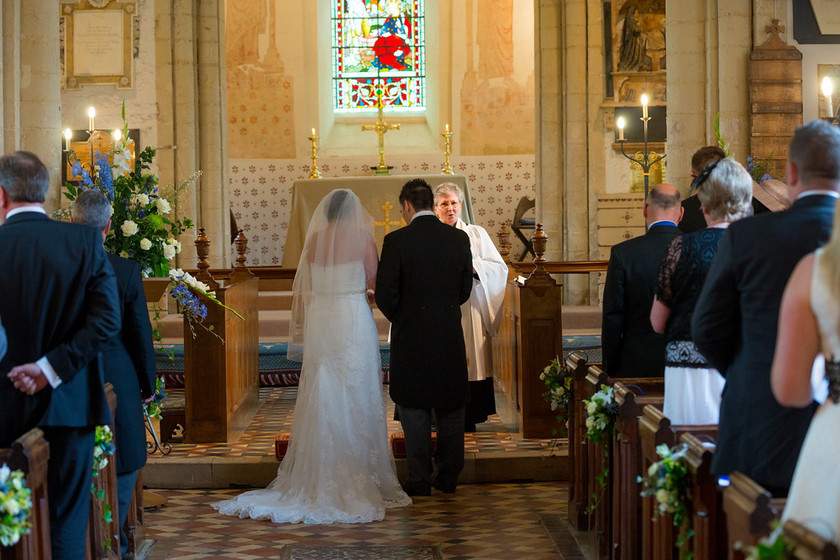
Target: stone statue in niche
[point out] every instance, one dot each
(640, 34)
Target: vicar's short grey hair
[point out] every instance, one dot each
(449, 188)
(24, 177)
(91, 208)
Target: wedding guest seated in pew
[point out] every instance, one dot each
(692, 386)
(128, 358)
(735, 321)
(809, 324)
(630, 346)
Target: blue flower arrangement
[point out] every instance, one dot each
(15, 506)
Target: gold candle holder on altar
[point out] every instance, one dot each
(314, 173)
(447, 136)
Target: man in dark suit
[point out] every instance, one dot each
(425, 274)
(736, 318)
(128, 358)
(60, 289)
(630, 346)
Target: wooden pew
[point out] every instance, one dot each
(221, 367)
(749, 510)
(30, 453)
(659, 536)
(708, 542)
(808, 545)
(632, 395)
(599, 458)
(578, 451)
(103, 538)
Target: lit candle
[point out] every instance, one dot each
(117, 135)
(91, 115)
(644, 106)
(827, 90)
(68, 134)
(446, 128)
(313, 133)
(620, 124)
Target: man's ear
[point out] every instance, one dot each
(107, 228)
(682, 213)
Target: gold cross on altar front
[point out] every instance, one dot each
(381, 127)
(386, 222)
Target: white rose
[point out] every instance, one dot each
(589, 423)
(142, 199)
(4, 473)
(97, 451)
(12, 507)
(652, 469)
(163, 205)
(128, 228)
(591, 407)
(124, 254)
(168, 252)
(177, 245)
(145, 244)
(661, 495)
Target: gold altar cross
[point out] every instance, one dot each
(381, 127)
(387, 222)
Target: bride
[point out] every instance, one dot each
(338, 467)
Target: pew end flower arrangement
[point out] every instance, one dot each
(558, 380)
(601, 412)
(103, 448)
(666, 481)
(15, 506)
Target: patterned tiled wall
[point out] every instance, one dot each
(260, 191)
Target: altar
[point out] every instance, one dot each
(379, 196)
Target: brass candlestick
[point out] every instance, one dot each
(447, 135)
(314, 173)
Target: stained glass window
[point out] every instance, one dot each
(378, 46)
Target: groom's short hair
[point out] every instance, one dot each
(91, 208)
(418, 193)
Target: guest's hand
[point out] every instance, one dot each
(371, 296)
(28, 378)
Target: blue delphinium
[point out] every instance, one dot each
(192, 306)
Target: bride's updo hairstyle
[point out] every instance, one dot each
(336, 208)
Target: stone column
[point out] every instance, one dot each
(690, 116)
(40, 89)
(190, 48)
(734, 43)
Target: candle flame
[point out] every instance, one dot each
(827, 86)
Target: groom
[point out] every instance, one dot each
(425, 274)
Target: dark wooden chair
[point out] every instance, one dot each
(30, 453)
(520, 224)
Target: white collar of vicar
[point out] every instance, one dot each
(22, 209)
(803, 194)
(422, 213)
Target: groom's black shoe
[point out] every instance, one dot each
(445, 488)
(418, 490)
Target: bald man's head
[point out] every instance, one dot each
(663, 203)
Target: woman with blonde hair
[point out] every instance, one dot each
(692, 386)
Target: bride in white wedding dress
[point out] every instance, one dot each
(338, 468)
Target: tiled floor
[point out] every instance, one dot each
(275, 416)
(488, 521)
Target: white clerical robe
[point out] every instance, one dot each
(480, 316)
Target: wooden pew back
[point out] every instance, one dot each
(103, 535)
(808, 545)
(708, 542)
(578, 452)
(599, 458)
(30, 453)
(749, 510)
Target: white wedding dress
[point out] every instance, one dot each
(338, 468)
(814, 497)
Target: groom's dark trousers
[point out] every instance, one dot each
(59, 301)
(425, 274)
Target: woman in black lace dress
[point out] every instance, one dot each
(692, 386)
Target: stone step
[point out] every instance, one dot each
(274, 300)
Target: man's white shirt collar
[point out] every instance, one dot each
(423, 213)
(22, 209)
(826, 192)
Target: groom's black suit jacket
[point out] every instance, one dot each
(735, 324)
(425, 274)
(129, 360)
(58, 299)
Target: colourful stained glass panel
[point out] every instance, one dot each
(378, 46)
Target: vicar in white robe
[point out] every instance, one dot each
(480, 316)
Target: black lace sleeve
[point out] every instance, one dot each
(664, 288)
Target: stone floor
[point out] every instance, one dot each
(488, 521)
